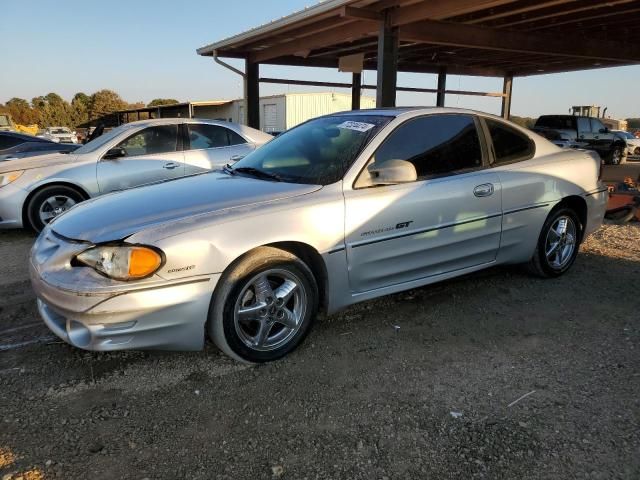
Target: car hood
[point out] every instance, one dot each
(39, 161)
(118, 215)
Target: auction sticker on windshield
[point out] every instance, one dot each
(357, 126)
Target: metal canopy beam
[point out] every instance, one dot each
(356, 87)
(459, 35)
(387, 64)
(442, 86)
(507, 88)
(252, 94)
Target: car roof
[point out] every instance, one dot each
(23, 136)
(400, 111)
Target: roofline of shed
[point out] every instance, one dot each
(314, 10)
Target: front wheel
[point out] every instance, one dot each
(558, 244)
(50, 202)
(264, 306)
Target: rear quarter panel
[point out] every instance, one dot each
(532, 188)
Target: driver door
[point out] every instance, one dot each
(449, 219)
(151, 155)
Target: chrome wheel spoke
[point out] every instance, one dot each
(288, 319)
(251, 312)
(263, 290)
(553, 249)
(263, 333)
(68, 204)
(285, 291)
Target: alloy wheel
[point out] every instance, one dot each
(560, 243)
(54, 206)
(270, 309)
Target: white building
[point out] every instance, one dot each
(277, 112)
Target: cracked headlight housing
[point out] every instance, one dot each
(122, 262)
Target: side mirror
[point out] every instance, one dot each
(114, 153)
(604, 130)
(392, 172)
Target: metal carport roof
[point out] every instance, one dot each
(503, 38)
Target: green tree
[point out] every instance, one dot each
(21, 111)
(526, 122)
(156, 102)
(105, 102)
(80, 105)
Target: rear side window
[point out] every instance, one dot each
(207, 136)
(234, 138)
(435, 144)
(509, 145)
(583, 125)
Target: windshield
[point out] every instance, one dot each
(60, 130)
(318, 152)
(96, 143)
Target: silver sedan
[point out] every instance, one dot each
(341, 209)
(35, 190)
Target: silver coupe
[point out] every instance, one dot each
(340, 209)
(33, 191)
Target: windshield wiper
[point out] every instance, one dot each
(256, 173)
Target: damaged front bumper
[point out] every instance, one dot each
(92, 312)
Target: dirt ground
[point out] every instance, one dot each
(494, 375)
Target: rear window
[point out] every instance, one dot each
(559, 122)
(509, 145)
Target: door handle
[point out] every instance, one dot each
(235, 158)
(170, 166)
(484, 190)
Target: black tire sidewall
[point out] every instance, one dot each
(33, 208)
(542, 258)
(232, 339)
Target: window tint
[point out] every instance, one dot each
(8, 142)
(152, 140)
(234, 138)
(596, 125)
(583, 125)
(207, 136)
(561, 122)
(436, 144)
(509, 144)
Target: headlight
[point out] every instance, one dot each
(122, 262)
(7, 178)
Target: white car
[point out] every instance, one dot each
(59, 135)
(633, 143)
(33, 191)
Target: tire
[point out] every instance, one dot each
(51, 201)
(616, 157)
(243, 288)
(553, 265)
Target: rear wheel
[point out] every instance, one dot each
(616, 157)
(50, 202)
(265, 306)
(558, 244)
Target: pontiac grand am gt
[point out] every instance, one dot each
(340, 209)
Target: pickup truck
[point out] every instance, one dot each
(573, 131)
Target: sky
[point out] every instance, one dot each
(145, 49)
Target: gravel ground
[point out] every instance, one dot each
(494, 375)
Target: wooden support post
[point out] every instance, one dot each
(507, 87)
(387, 64)
(252, 94)
(356, 87)
(442, 86)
